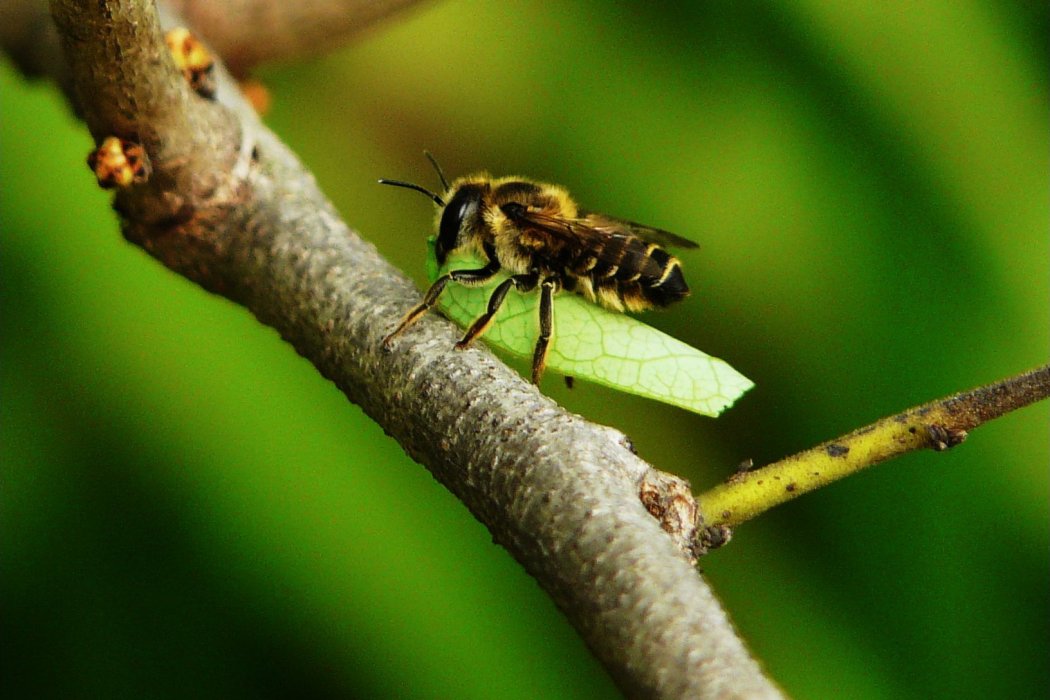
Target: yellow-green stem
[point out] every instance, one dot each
(939, 425)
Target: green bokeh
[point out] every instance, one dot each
(185, 505)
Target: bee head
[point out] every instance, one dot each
(458, 220)
(458, 217)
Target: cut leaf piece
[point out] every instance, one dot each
(595, 344)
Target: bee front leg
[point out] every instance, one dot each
(417, 311)
(539, 356)
(524, 283)
(467, 277)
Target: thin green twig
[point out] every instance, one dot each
(938, 425)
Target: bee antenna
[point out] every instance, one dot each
(433, 161)
(398, 183)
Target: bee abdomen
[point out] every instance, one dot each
(669, 285)
(628, 272)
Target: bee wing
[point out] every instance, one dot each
(610, 225)
(575, 232)
(591, 227)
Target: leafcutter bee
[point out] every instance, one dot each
(538, 234)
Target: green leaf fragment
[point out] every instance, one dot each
(595, 344)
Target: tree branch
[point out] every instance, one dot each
(244, 32)
(938, 425)
(231, 208)
(291, 29)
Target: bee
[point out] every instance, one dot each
(538, 234)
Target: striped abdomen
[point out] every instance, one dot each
(625, 272)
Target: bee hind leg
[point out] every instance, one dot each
(539, 356)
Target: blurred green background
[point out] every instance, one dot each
(188, 508)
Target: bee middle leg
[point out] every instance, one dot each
(524, 283)
(539, 356)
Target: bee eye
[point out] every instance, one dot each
(461, 208)
(465, 209)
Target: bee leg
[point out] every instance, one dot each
(539, 357)
(417, 311)
(467, 277)
(485, 320)
(524, 283)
